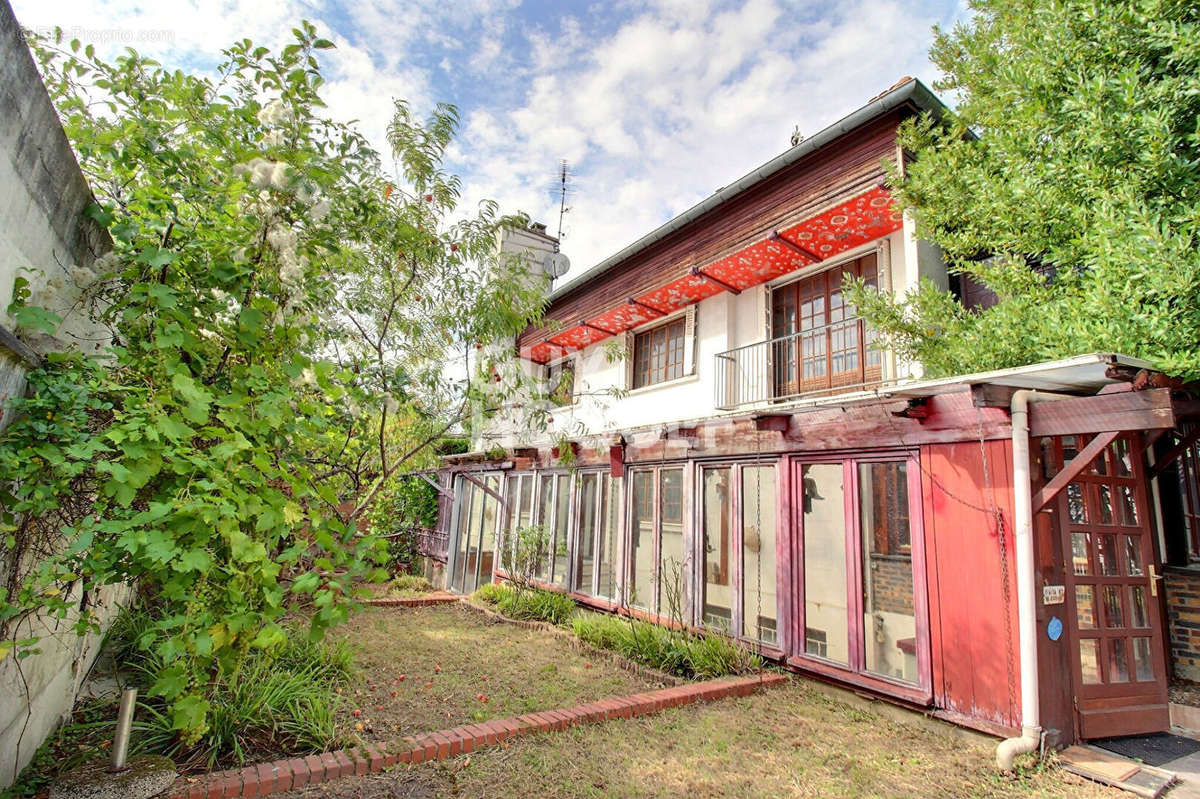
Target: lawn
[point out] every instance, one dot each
(425, 669)
(789, 741)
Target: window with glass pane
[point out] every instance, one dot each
(658, 354)
(606, 549)
(546, 520)
(488, 534)
(465, 496)
(641, 541)
(825, 593)
(759, 603)
(562, 518)
(717, 542)
(889, 620)
(671, 559)
(585, 539)
(470, 551)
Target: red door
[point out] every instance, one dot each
(1112, 581)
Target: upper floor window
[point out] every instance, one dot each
(658, 354)
(560, 382)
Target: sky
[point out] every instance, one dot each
(655, 104)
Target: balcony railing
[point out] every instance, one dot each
(838, 356)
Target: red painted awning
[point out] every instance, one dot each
(867, 217)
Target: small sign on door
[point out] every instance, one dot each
(1053, 594)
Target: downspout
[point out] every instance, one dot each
(1030, 738)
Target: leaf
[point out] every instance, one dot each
(197, 397)
(323, 44)
(269, 637)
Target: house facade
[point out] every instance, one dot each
(731, 451)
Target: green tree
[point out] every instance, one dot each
(1075, 149)
(281, 312)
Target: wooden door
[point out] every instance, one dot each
(1114, 608)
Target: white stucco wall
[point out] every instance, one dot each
(723, 322)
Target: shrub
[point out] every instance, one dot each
(532, 604)
(672, 651)
(410, 584)
(274, 703)
(405, 506)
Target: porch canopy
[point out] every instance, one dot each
(866, 217)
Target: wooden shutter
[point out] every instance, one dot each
(628, 371)
(689, 341)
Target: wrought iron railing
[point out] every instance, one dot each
(837, 356)
(433, 544)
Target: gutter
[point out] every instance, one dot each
(1030, 739)
(912, 91)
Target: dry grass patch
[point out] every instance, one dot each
(788, 741)
(425, 669)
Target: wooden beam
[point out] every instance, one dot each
(1071, 470)
(489, 491)
(698, 272)
(441, 489)
(794, 247)
(650, 308)
(990, 395)
(1129, 410)
(19, 348)
(1175, 451)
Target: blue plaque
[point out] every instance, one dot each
(1054, 628)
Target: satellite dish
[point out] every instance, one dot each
(555, 264)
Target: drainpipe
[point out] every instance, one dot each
(1030, 738)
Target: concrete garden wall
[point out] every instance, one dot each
(43, 196)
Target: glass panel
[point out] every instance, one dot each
(1106, 510)
(1106, 555)
(1085, 606)
(1070, 448)
(718, 550)
(825, 561)
(546, 520)
(1089, 660)
(1122, 458)
(1081, 544)
(585, 539)
(1143, 667)
(889, 622)
(1129, 514)
(470, 560)
(1133, 555)
(641, 541)
(670, 575)
(1048, 465)
(1076, 508)
(487, 537)
(1137, 607)
(466, 495)
(1118, 662)
(526, 512)
(610, 513)
(562, 519)
(1114, 616)
(758, 553)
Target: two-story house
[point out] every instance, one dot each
(731, 447)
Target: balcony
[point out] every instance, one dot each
(433, 543)
(840, 356)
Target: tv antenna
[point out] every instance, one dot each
(564, 181)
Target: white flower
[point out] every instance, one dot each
(308, 377)
(106, 262)
(282, 238)
(319, 211)
(206, 333)
(304, 193)
(292, 271)
(391, 404)
(82, 276)
(279, 176)
(274, 113)
(273, 138)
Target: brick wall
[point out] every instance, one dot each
(892, 583)
(1183, 621)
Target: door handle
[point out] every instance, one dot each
(1154, 578)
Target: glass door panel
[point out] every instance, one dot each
(889, 619)
(717, 601)
(824, 541)
(560, 528)
(670, 573)
(585, 540)
(606, 547)
(759, 600)
(641, 541)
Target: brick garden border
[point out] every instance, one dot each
(284, 775)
